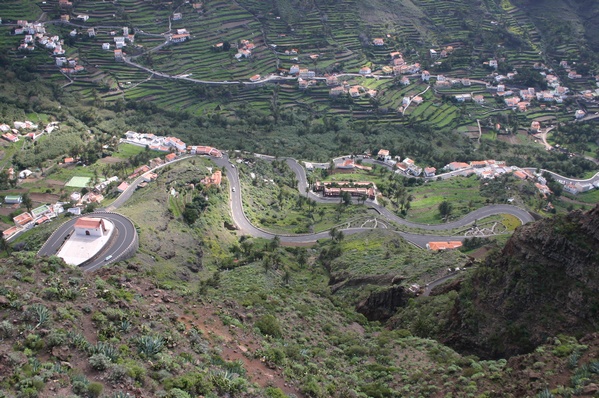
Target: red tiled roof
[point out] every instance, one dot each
(89, 222)
(23, 218)
(444, 245)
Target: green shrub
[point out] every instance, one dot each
(177, 393)
(274, 392)
(6, 329)
(95, 389)
(268, 325)
(99, 361)
(117, 373)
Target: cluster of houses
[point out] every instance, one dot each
(119, 43)
(244, 49)
(168, 144)
(28, 220)
(36, 32)
(33, 31)
(406, 166)
(23, 130)
(572, 74)
(354, 91)
(576, 188)
(398, 66)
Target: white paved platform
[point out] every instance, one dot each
(80, 248)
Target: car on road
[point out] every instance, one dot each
(108, 258)
(233, 189)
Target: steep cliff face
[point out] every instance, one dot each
(544, 282)
(380, 306)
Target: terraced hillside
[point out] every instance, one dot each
(323, 36)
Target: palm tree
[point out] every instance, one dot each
(26, 200)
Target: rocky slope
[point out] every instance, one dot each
(544, 282)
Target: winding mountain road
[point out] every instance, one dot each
(245, 226)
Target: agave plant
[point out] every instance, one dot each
(125, 326)
(78, 340)
(150, 345)
(106, 349)
(40, 313)
(545, 394)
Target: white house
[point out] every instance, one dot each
(90, 226)
(105, 46)
(430, 171)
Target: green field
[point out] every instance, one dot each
(78, 182)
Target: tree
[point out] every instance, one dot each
(275, 243)
(336, 235)
(26, 200)
(445, 209)
(4, 245)
(346, 198)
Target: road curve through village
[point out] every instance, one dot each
(245, 226)
(125, 231)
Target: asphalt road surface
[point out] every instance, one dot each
(420, 240)
(125, 233)
(125, 230)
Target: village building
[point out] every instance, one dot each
(453, 166)
(378, 41)
(436, 246)
(180, 38)
(89, 226)
(304, 73)
(383, 155)
(122, 187)
(23, 219)
(544, 189)
(365, 71)
(10, 137)
(170, 157)
(214, 179)
(332, 80)
(429, 172)
(8, 233)
(204, 150)
(13, 199)
(302, 83)
(336, 91)
(520, 175)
